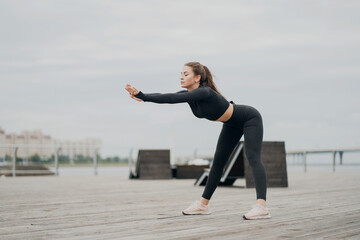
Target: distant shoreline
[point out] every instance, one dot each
(89, 165)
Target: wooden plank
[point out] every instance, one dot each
(273, 157)
(153, 164)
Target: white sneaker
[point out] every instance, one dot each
(197, 208)
(257, 212)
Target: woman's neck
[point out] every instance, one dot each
(195, 86)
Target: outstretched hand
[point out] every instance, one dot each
(133, 91)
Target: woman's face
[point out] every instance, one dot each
(188, 79)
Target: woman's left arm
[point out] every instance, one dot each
(178, 97)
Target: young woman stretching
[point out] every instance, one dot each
(206, 102)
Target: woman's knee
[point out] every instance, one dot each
(254, 157)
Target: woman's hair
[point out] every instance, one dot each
(204, 72)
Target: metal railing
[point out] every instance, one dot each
(56, 152)
(303, 154)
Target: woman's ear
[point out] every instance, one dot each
(197, 78)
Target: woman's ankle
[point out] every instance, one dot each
(204, 201)
(261, 202)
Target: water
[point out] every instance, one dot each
(123, 171)
(324, 168)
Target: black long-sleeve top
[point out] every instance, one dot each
(204, 101)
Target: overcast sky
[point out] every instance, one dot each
(64, 66)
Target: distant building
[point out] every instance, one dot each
(84, 147)
(2, 141)
(35, 142)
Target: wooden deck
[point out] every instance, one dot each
(317, 205)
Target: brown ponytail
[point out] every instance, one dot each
(204, 72)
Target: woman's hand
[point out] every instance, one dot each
(133, 91)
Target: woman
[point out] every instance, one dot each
(207, 102)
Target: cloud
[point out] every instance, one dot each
(64, 66)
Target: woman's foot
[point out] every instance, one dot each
(197, 208)
(257, 212)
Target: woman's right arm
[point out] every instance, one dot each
(133, 91)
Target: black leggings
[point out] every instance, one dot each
(245, 121)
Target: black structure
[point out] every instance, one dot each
(189, 171)
(233, 169)
(152, 164)
(273, 157)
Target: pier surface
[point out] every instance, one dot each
(316, 205)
